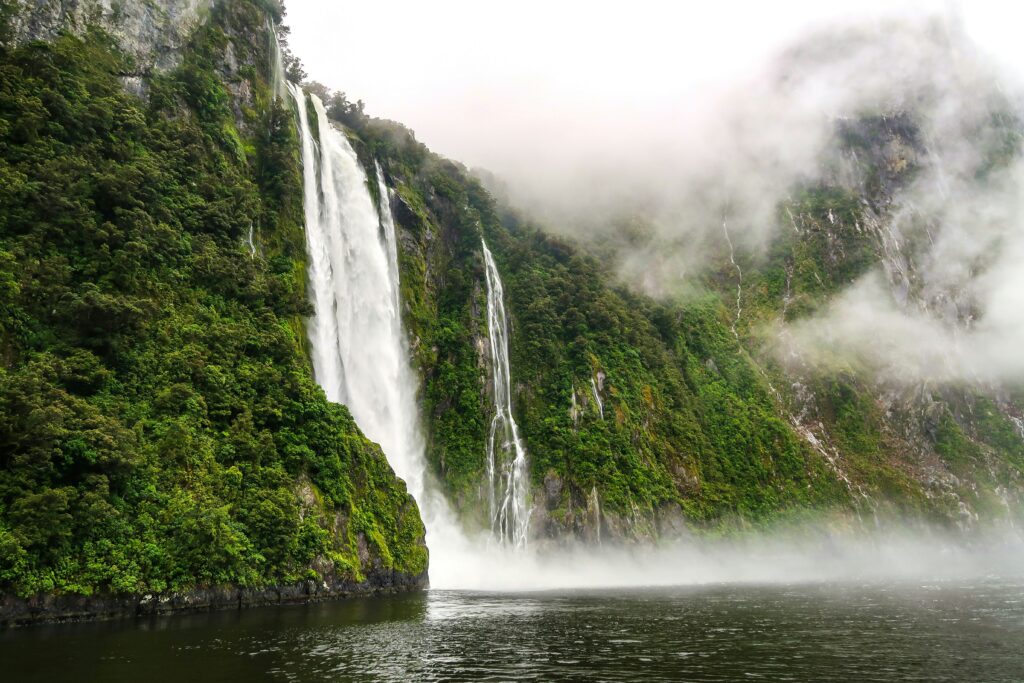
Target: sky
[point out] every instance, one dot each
(504, 85)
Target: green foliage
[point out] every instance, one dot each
(688, 419)
(159, 425)
(696, 416)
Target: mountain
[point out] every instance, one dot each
(649, 418)
(165, 443)
(161, 430)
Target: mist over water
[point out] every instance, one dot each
(948, 631)
(809, 554)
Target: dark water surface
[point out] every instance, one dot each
(962, 631)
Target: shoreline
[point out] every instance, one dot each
(51, 609)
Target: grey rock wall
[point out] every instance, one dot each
(151, 32)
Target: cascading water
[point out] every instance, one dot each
(739, 278)
(249, 240)
(359, 355)
(507, 469)
(278, 85)
(597, 397)
(387, 221)
(358, 345)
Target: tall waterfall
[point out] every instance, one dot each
(358, 344)
(507, 469)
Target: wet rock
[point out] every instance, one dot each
(41, 609)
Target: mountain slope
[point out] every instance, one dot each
(160, 426)
(646, 418)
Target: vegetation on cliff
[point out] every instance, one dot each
(668, 414)
(160, 428)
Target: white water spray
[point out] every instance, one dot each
(597, 397)
(358, 345)
(507, 470)
(387, 222)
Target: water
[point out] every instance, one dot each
(387, 221)
(958, 631)
(597, 397)
(278, 85)
(507, 469)
(358, 345)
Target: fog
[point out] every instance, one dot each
(673, 137)
(537, 88)
(808, 554)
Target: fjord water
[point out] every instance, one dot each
(913, 631)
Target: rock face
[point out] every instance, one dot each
(151, 32)
(76, 608)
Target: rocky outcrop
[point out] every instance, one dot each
(43, 609)
(150, 32)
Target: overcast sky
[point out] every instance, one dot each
(501, 84)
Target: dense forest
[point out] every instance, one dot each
(160, 426)
(646, 418)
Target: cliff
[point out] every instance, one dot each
(649, 418)
(163, 443)
(151, 34)
(160, 429)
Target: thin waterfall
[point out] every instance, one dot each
(739, 278)
(507, 469)
(597, 397)
(358, 345)
(278, 85)
(250, 241)
(387, 222)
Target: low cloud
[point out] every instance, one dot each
(660, 133)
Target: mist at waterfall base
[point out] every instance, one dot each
(805, 554)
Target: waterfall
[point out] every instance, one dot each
(278, 86)
(507, 469)
(358, 346)
(597, 397)
(739, 278)
(387, 221)
(1019, 423)
(251, 243)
